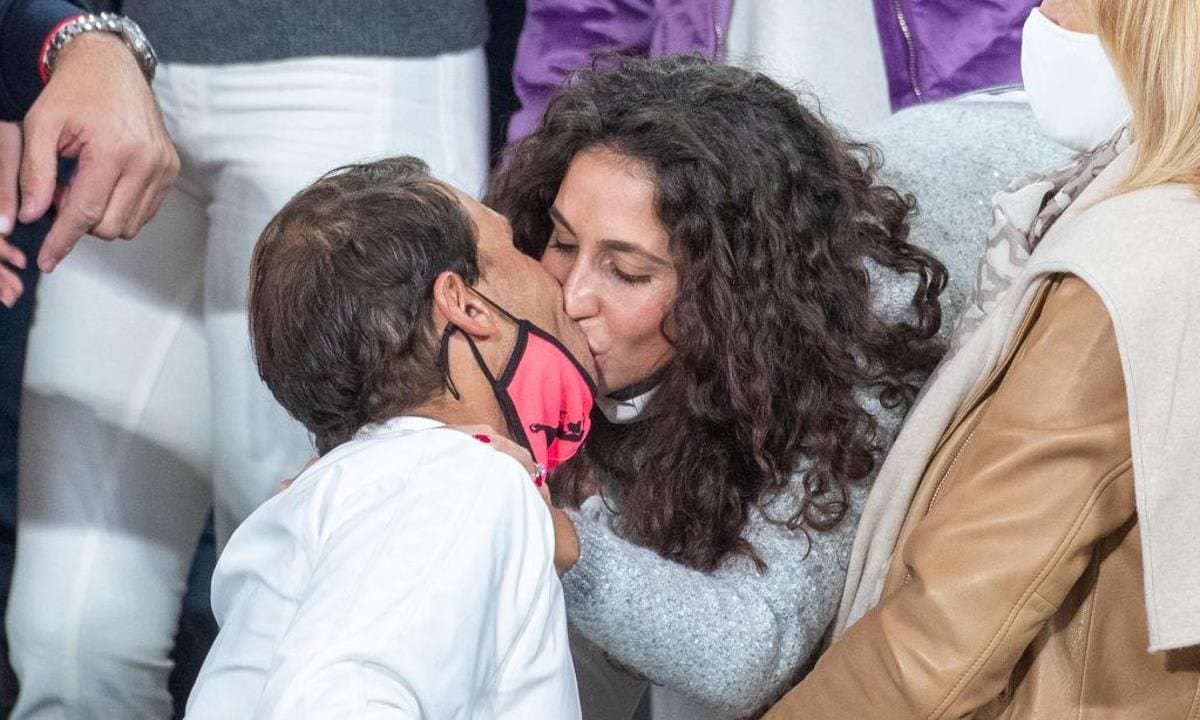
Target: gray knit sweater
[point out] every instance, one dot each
(953, 157)
(732, 640)
(211, 32)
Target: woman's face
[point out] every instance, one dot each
(610, 254)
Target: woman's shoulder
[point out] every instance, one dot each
(1143, 236)
(1172, 205)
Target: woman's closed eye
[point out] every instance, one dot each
(628, 278)
(557, 244)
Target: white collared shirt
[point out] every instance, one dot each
(407, 574)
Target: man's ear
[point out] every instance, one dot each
(454, 303)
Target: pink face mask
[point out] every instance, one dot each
(544, 393)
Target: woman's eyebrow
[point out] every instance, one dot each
(621, 246)
(557, 217)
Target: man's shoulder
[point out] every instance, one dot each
(412, 456)
(439, 470)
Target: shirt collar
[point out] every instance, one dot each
(396, 424)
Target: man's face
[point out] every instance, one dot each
(520, 284)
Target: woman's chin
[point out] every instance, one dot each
(603, 386)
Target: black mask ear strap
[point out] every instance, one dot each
(495, 304)
(479, 360)
(443, 360)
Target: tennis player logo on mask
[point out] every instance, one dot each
(545, 394)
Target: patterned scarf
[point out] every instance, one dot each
(1024, 214)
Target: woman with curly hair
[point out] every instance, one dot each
(760, 322)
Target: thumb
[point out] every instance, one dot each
(10, 168)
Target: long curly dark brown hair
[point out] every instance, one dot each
(772, 217)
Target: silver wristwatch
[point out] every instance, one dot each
(133, 36)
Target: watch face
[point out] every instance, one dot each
(140, 45)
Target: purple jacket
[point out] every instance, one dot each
(933, 49)
(561, 36)
(939, 49)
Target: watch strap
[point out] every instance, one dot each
(127, 29)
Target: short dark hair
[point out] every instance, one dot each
(341, 291)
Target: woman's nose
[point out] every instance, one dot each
(579, 295)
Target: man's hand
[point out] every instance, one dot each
(10, 159)
(98, 108)
(566, 540)
(488, 435)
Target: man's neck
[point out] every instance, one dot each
(475, 403)
(468, 411)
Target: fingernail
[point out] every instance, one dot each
(537, 480)
(7, 299)
(483, 439)
(48, 266)
(6, 224)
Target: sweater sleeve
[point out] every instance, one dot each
(732, 640)
(24, 28)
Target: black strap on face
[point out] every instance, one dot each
(443, 360)
(483, 366)
(640, 387)
(507, 408)
(534, 329)
(495, 304)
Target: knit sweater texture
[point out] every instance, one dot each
(213, 32)
(733, 640)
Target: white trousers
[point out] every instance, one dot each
(143, 404)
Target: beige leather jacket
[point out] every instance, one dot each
(1016, 587)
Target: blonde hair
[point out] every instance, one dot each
(1155, 47)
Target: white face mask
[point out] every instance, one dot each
(1075, 93)
(620, 412)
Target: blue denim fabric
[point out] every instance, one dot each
(14, 339)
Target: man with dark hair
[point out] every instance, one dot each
(409, 571)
